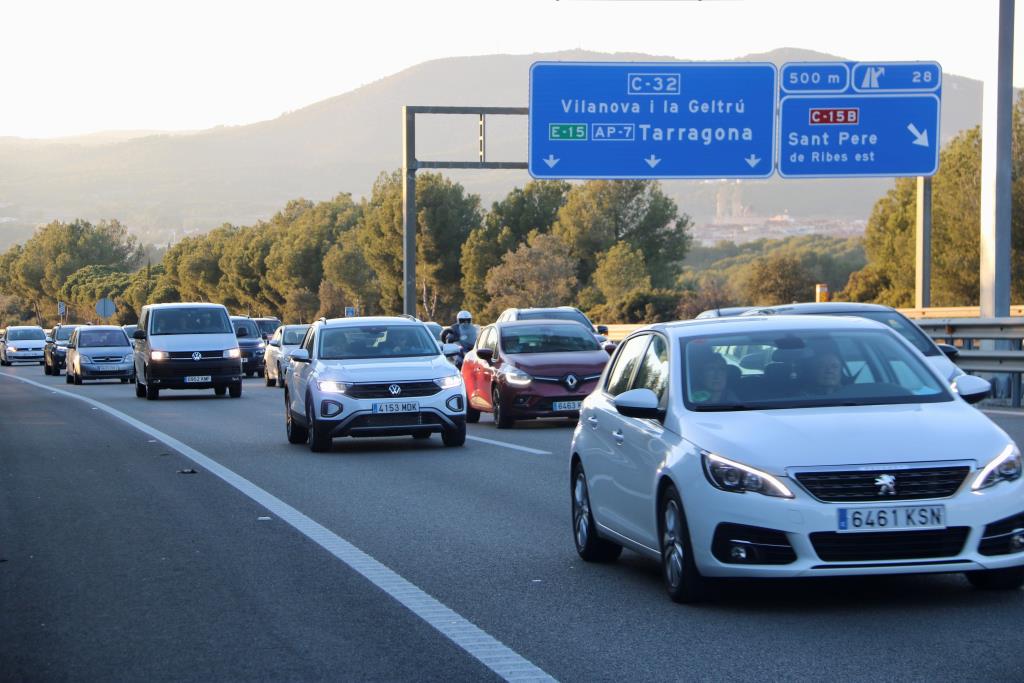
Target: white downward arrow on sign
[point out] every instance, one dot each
(919, 137)
(753, 160)
(551, 161)
(652, 161)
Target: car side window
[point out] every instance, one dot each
(488, 339)
(653, 372)
(625, 363)
(307, 343)
(144, 323)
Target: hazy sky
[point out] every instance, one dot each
(78, 66)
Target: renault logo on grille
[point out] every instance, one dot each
(394, 389)
(196, 355)
(886, 484)
(571, 381)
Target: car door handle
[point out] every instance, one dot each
(593, 421)
(619, 436)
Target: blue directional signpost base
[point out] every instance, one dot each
(858, 119)
(652, 120)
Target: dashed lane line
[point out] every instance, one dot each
(492, 653)
(505, 444)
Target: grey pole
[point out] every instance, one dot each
(409, 211)
(923, 244)
(995, 174)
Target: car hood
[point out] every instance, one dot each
(193, 342)
(584, 363)
(773, 440)
(105, 350)
(387, 369)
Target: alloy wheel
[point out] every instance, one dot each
(581, 510)
(673, 551)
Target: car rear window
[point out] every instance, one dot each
(190, 321)
(547, 339)
(87, 338)
(294, 335)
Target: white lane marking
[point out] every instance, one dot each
(490, 651)
(1010, 413)
(505, 444)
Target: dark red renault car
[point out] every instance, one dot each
(531, 368)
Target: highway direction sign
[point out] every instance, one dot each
(105, 307)
(859, 119)
(652, 120)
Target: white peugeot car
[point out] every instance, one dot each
(372, 377)
(845, 454)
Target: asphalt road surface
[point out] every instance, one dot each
(118, 564)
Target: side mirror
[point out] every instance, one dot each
(451, 349)
(241, 332)
(609, 347)
(275, 342)
(602, 330)
(951, 351)
(299, 356)
(485, 354)
(972, 389)
(139, 334)
(641, 403)
(49, 340)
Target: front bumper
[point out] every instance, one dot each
(28, 356)
(171, 374)
(537, 399)
(810, 528)
(346, 416)
(106, 370)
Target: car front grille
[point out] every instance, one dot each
(109, 359)
(889, 545)
(864, 485)
(187, 355)
(393, 420)
(383, 390)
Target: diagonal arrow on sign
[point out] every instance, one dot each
(920, 138)
(652, 161)
(551, 160)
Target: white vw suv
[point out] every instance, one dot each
(378, 376)
(845, 454)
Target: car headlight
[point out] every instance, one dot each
(515, 376)
(332, 387)
(1004, 467)
(127, 359)
(12, 348)
(84, 359)
(449, 382)
(261, 346)
(232, 353)
(159, 355)
(729, 475)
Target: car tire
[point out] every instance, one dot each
(152, 393)
(124, 380)
(589, 546)
(46, 369)
(42, 362)
(296, 433)
(140, 390)
(472, 415)
(454, 437)
(235, 389)
(78, 379)
(220, 390)
(248, 373)
(319, 438)
(271, 382)
(1007, 579)
(68, 379)
(280, 377)
(683, 580)
(501, 418)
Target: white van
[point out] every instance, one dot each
(186, 346)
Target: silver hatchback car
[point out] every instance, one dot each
(99, 352)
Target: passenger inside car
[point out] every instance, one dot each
(711, 379)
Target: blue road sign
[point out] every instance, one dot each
(652, 120)
(350, 311)
(105, 307)
(859, 119)
(61, 308)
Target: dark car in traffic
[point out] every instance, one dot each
(267, 325)
(56, 349)
(555, 313)
(531, 368)
(250, 343)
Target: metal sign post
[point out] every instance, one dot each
(923, 244)
(409, 167)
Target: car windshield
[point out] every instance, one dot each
(803, 368)
(130, 329)
(190, 321)
(88, 338)
(908, 330)
(555, 314)
(28, 334)
(547, 339)
(294, 335)
(268, 325)
(248, 325)
(376, 341)
(63, 333)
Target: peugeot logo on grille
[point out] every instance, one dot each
(394, 389)
(571, 381)
(196, 355)
(886, 484)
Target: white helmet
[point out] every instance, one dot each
(464, 317)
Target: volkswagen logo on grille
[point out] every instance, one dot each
(571, 382)
(886, 484)
(394, 389)
(196, 355)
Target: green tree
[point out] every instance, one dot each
(778, 279)
(348, 280)
(541, 272)
(620, 271)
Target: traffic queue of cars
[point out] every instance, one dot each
(765, 445)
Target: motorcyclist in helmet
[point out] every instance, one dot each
(463, 332)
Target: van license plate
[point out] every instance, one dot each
(198, 379)
(902, 518)
(404, 407)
